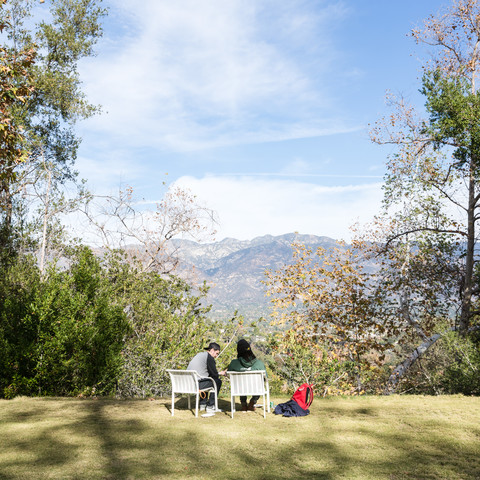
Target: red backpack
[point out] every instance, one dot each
(304, 395)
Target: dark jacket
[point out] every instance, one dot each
(242, 365)
(290, 409)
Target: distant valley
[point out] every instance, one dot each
(234, 269)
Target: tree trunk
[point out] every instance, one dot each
(46, 215)
(6, 208)
(401, 369)
(466, 309)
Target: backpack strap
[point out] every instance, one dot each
(309, 395)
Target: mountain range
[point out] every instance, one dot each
(234, 269)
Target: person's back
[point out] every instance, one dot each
(241, 364)
(204, 364)
(199, 363)
(245, 362)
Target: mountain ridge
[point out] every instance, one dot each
(234, 269)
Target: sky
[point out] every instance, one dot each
(260, 108)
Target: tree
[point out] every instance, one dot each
(95, 326)
(117, 222)
(43, 96)
(432, 191)
(167, 319)
(314, 362)
(330, 305)
(424, 281)
(62, 334)
(417, 284)
(16, 86)
(436, 170)
(47, 205)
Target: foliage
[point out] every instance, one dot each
(418, 284)
(295, 363)
(348, 312)
(462, 370)
(19, 284)
(452, 365)
(42, 99)
(62, 335)
(433, 179)
(227, 333)
(168, 323)
(82, 330)
(16, 86)
(428, 228)
(99, 326)
(333, 313)
(69, 34)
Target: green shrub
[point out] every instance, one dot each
(451, 366)
(294, 363)
(462, 373)
(167, 321)
(81, 329)
(61, 335)
(19, 285)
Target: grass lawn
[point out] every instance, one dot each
(396, 437)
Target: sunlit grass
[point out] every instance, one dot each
(396, 437)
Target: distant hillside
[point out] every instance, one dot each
(234, 269)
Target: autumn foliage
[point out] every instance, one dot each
(16, 86)
(329, 304)
(424, 284)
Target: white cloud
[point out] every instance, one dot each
(192, 74)
(251, 206)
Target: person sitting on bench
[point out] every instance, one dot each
(245, 362)
(205, 365)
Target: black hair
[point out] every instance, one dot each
(244, 350)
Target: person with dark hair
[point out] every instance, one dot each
(205, 365)
(245, 362)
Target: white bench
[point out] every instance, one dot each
(187, 382)
(253, 382)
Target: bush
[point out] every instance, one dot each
(61, 335)
(295, 363)
(82, 329)
(95, 327)
(451, 366)
(462, 373)
(167, 321)
(19, 286)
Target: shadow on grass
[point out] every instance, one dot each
(111, 434)
(130, 439)
(37, 448)
(181, 403)
(430, 450)
(118, 448)
(437, 457)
